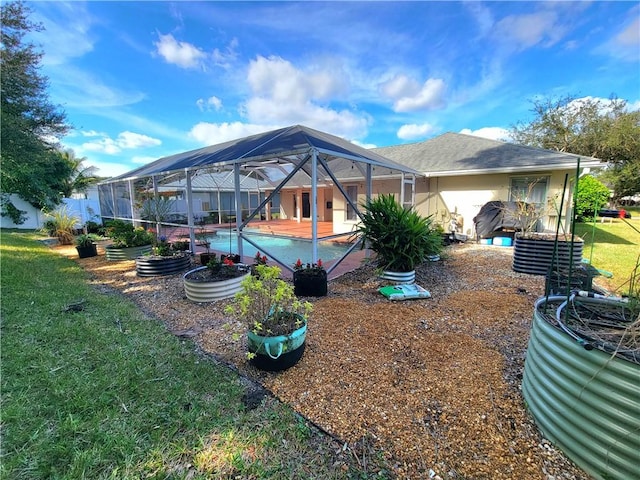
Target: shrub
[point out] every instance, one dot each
(399, 236)
(592, 195)
(124, 234)
(61, 224)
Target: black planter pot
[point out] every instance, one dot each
(87, 251)
(305, 285)
(152, 266)
(205, 258)
(535, 255)
(285, 361)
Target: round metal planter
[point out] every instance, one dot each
(199, 291)
(535, 255)
(153, 266)
(277, 353)
(399, 278)
(129, 253)
(585, 401)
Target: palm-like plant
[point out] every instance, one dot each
(399, 236)
(80, 177)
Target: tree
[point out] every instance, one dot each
(30, 123)
(589, 127)
(81, 177)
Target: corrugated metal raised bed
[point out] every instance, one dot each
(126, 253)
(534, 253)
(152, 265)
(585, 397)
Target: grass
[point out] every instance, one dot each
(613, 246)
(106, 392)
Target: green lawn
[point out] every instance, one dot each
(107, 392)
(613, 246)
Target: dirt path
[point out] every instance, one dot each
(434, 383)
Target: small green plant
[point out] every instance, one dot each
(86, 239)
(267, 304)
(399, 236)
(162, 248)
(61, 225)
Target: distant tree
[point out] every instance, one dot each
(592, 195)
(30, 124)
(81, 177)
(589, 127)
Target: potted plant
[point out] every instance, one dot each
(86, 246)
(309, 280)
(129, 242)
(258, 259)
(163, 260)
(217, 280)
(276, 320)
(400, 237)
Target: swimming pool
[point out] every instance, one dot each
(284, 249)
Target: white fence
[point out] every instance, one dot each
(86, 209)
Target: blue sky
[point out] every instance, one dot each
(142, 80)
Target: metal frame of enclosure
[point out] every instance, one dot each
(256, 168)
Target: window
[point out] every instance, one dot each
(528, 189)
(352, 193)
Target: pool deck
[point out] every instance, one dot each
(286, 228)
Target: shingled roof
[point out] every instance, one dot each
(458, 154)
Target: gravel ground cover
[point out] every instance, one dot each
(433, 384)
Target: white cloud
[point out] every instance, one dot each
(143, 160)
(279, 80)
(518, 32)
(413, 131)
(285, 95)
(183, 54)
(66, 33)
(211, 103)
(91, 133)
(225, 59)
(625, 45)
(492, 133)
(124, 141)
(410, 96)
(214, 133)
(109, 169)
(74, 87)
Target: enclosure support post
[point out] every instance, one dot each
(155, 199)
(314, 206)
(192, 237)
(133, 210)
(236, 184)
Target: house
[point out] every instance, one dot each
(460, 173)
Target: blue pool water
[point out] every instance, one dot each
(286, 250)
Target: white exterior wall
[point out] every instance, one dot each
(456, 196)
